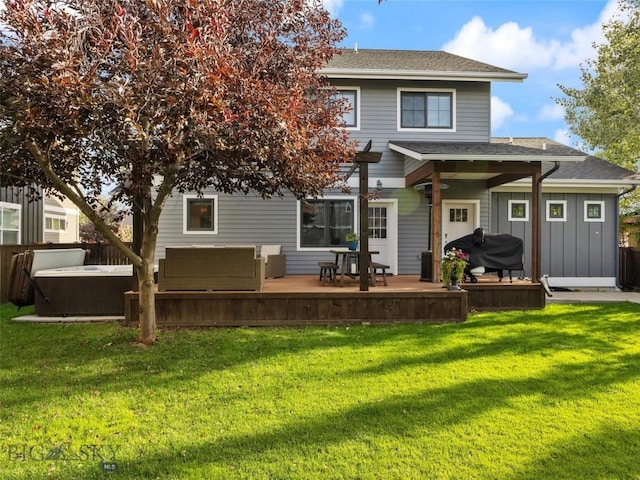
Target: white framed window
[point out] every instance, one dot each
(55, 223)
(10, 222)
(351, 95)
(55, 219)
(200, 214)
(518, 211)
(556, 210)
(594, 211)
(323, 223)
(426, 109)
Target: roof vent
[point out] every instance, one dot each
(511, 139)
(544, 145)
(355, 48)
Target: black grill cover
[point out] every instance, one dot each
(499, 251)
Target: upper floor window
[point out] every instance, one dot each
(351, 95)
(55, 223)
(200, 214)
(425, 109)
(10, 223)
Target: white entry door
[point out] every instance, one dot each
(459, 218)
(383, 233)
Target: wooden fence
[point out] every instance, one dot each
(97, 254)
(630, 268)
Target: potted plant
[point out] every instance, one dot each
(453, 265)
(352, 240)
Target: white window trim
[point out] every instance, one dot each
(12, 206)
(526, 211)
(185, 203)
(55, 216)
(52, 212)
(328, 197)
(358, 103)
(452, 91)
(564, 211)
(591, 202)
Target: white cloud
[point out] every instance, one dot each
(500, 112)
(551, 112)
(333, 6)
(563, 136)
(367, 20)
(517, 47)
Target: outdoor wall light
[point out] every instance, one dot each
(379, 185)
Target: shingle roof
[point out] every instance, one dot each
(592, 168)
(585, 167)
(427, 62)
(488, 149)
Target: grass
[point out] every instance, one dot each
(551, 394)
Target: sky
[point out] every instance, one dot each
(546, 39)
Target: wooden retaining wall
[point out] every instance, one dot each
(234, 309)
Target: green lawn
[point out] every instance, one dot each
(534, 395)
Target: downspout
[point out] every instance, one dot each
(617, 263)
(543, 279)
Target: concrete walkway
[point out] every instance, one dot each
(591, 297)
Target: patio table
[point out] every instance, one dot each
(345, 254)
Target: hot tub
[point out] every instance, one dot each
(82, 290)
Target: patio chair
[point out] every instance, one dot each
(275, 261)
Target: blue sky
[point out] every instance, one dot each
(546, 39)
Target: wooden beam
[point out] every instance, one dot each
(436, 227)
(536, 233)
(419, 175)
(364, 226)
(486, 167)
(505, 178)
(368, 157)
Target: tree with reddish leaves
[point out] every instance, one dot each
(151, 97)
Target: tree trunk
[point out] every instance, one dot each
(146, 287)
(146, 304)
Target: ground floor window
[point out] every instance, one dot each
(593, 211)
(10, 214)
(200, 214)
(556, 210)
(324, 223)
(518, 210)
(378, 222)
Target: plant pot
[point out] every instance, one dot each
(353, 245)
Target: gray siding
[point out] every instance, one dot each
(250, 220)
(379, 122)
(574, 248)
(32, 219)
(470, 190)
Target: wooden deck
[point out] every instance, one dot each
(298, 300)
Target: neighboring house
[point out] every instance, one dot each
(440, 177)
(47, 220)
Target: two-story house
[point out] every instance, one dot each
(441, 176)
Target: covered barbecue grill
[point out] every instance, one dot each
(489, 253)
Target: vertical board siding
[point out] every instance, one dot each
(32, 223)
(574, 248)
